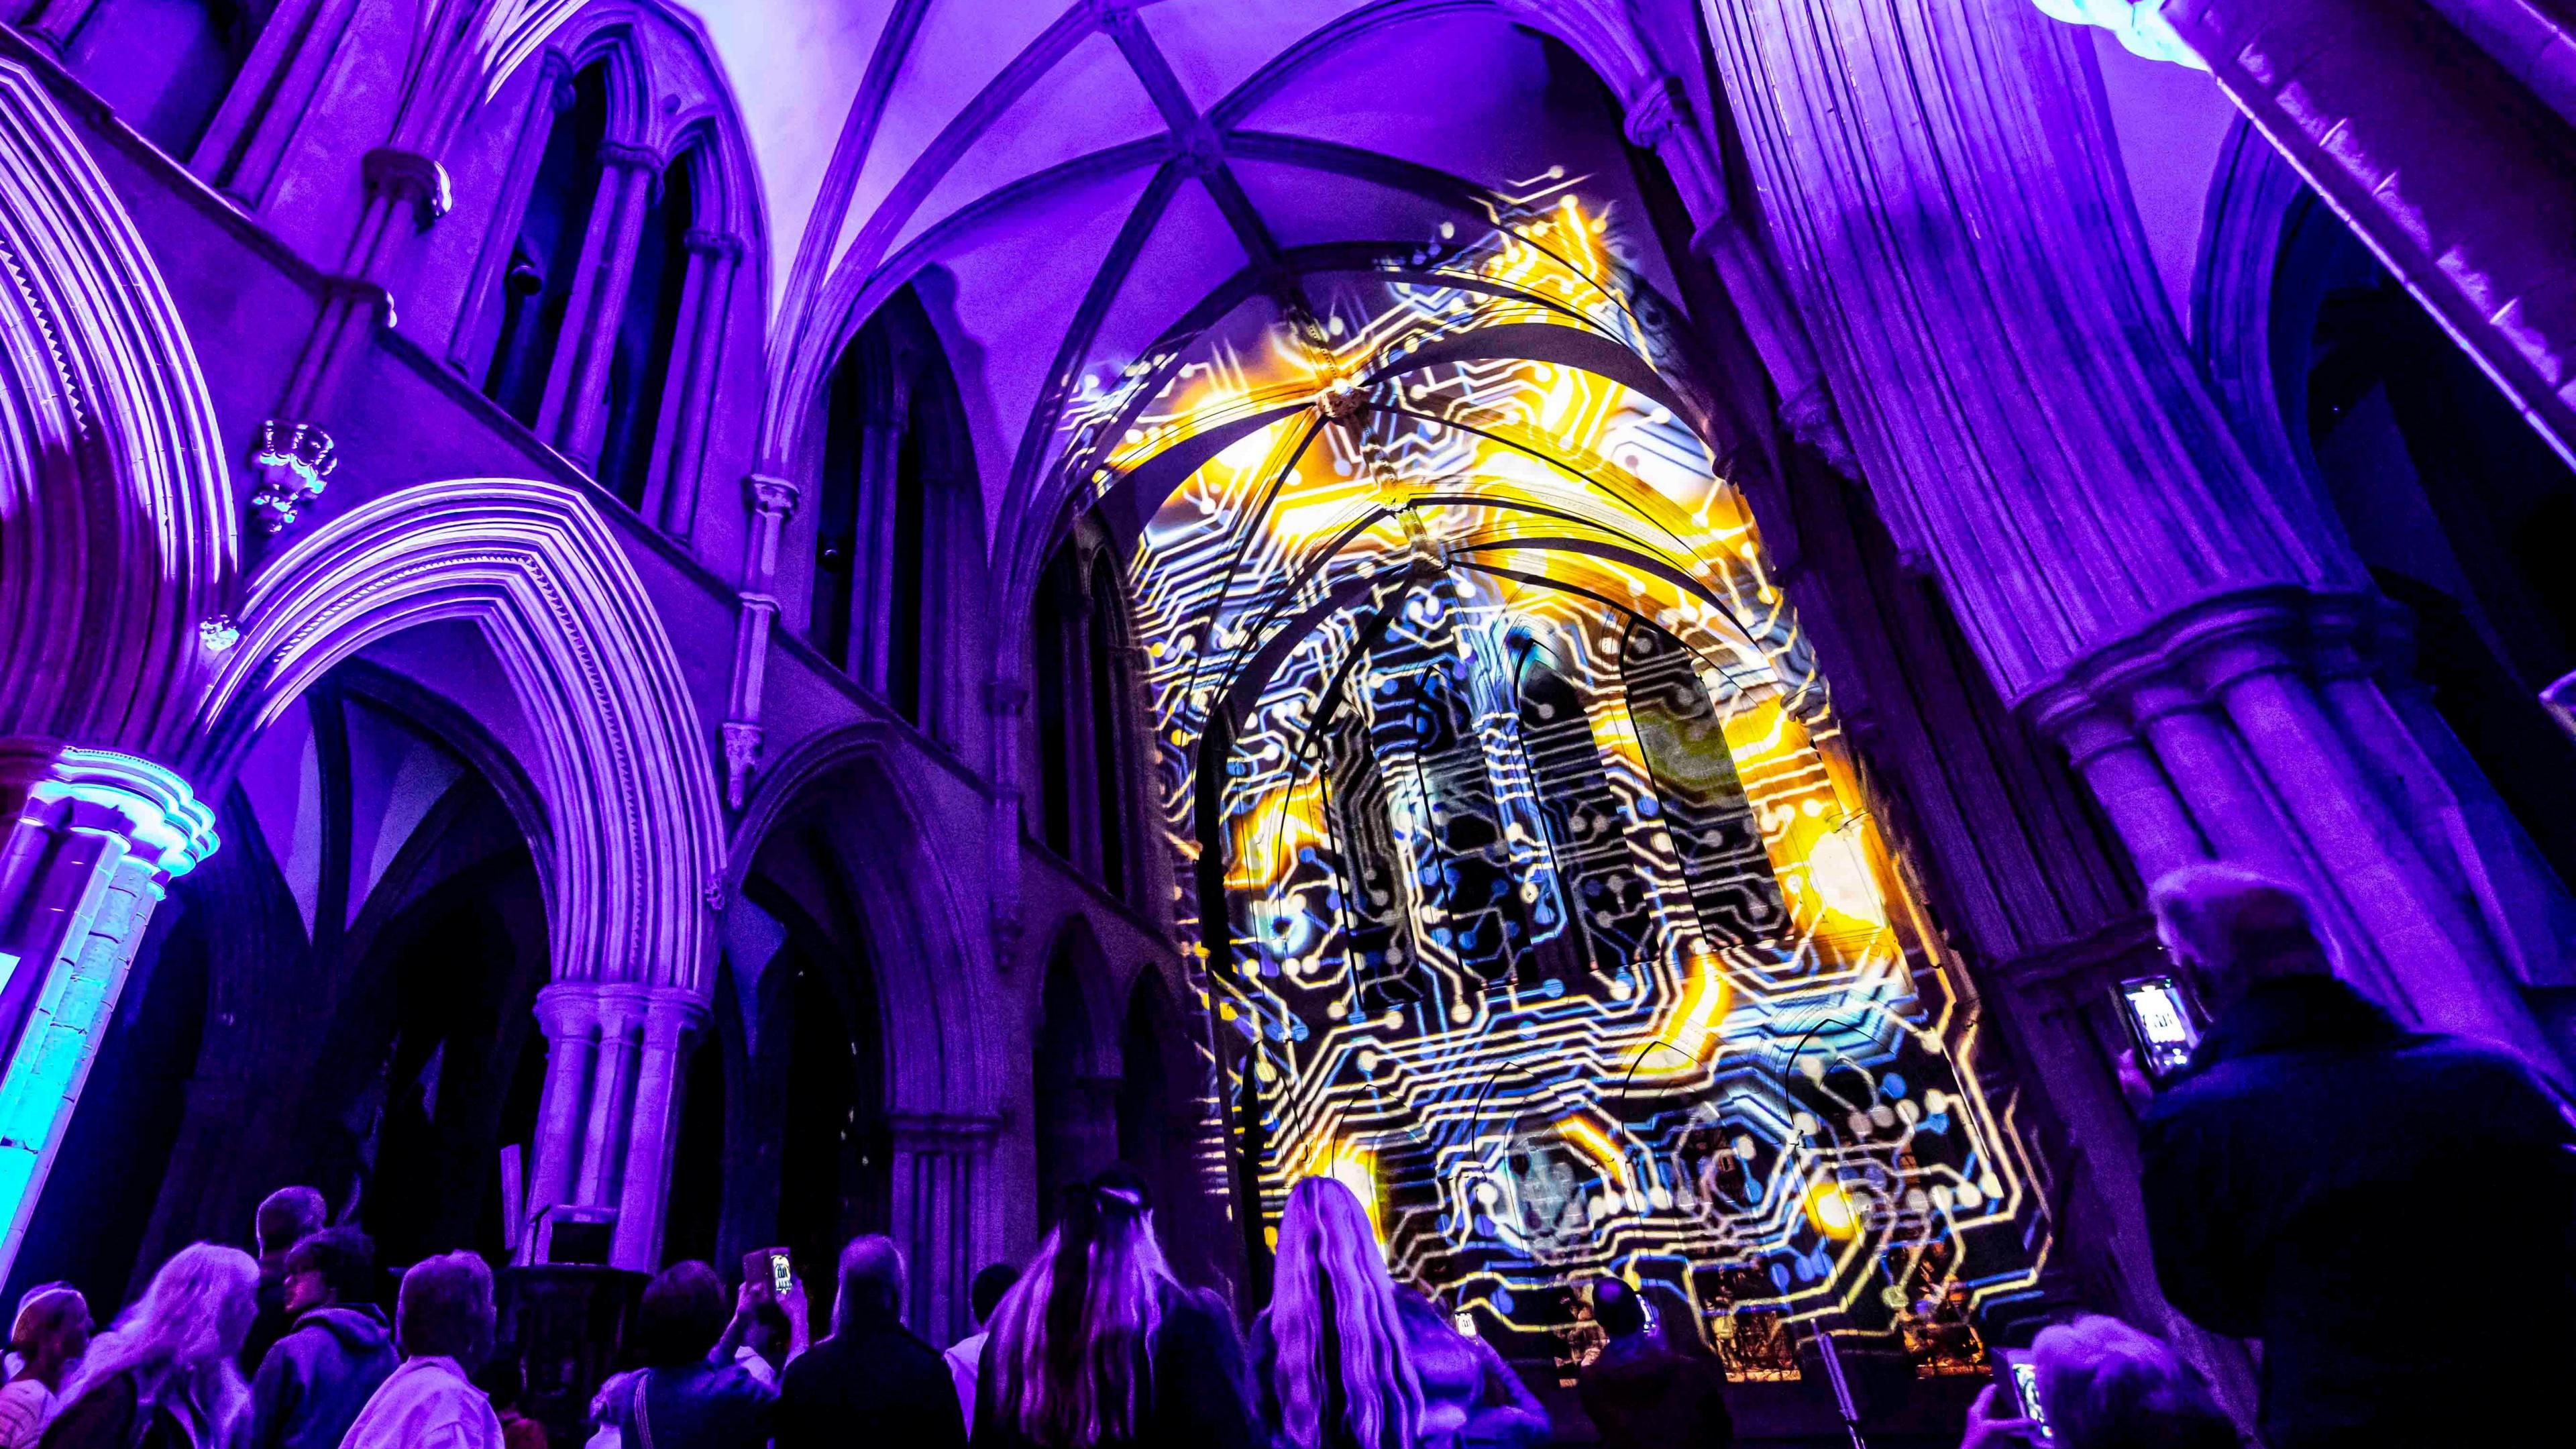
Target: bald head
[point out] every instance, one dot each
(2230, 928)
(871, 1281)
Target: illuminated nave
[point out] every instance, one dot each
(644, 632)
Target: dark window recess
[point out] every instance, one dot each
(1108, 684)
(536, 286)
(648, 335)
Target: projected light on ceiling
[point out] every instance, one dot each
(1554, 923)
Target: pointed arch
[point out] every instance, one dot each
(117, 538)
(626, 772)
(931, 952)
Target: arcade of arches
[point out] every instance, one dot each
(641, 629)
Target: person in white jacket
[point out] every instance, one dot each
(443, 1323)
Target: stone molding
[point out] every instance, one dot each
(628, 791)
(119, 398)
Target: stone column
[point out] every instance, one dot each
(939, 1217)
(96, 838)
(680, 437)
(770, 500)
(568, 1013)
(2021, 403)
(672, 1019)
(626, 178)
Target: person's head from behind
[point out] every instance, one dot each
(333, 1266)
(1333, 1312)
(2229, 929)
(2105, 1385)
(1067, 1335)
(185, 1329)
(51, 1329)
(1618, 1309)
(871, 1283)
(682, 1316)
(286, 1217)
(985, 1293)
(445, 1310)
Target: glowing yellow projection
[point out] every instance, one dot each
(1553, 918)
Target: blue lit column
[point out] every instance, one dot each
(95, 839)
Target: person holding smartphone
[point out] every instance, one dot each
(2311, 1144)
(2096, 1383)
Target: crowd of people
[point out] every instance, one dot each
(2309, 1144)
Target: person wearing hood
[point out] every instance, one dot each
(336, 1353)
(1642, 1394)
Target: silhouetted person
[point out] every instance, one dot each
(340, 1350)
(1640, 1393)
(50, 1332)
(286, 1217)
(164, 1377)
(967, 1354)
(2105, 1385)
(443, 1325)
(683, 1398)
(2311, 1143)
(871, 1382)
(1346, 1359)
(1099, 1345)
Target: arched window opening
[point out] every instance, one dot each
(1055, 609)
(1104, 630)
(602, 296)
(1065, 1136)
(1376, 920)
(898, 512)
(1704, 805)
(1607, 917)
(166, 65)
(639, 373)
(536, 282)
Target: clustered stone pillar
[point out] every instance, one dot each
(939, 1163)
(572, 414)
(614, 1059)
(95, 839)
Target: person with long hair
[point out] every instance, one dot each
(1347, 1359)
(1098, 1346)
(164, 1377)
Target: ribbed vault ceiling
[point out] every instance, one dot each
(1062, 187)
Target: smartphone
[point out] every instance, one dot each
(2020, 1381)
(2161, 1022)
(772, 1265)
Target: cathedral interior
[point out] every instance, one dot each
(1586, 615)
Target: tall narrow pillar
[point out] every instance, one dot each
(96, 837)
(939, 1219)
(672, 1019)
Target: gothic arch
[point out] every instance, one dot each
(930, 957)
(625, 771)
(117, 538)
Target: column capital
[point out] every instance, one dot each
(568, 1009)
(770, 495)
(713, 243)
(931, 1132)
(638, 158)
(149, 805)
